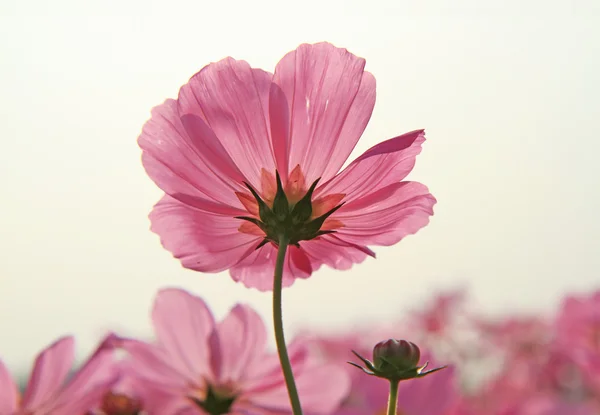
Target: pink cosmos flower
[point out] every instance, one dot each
(578, 336)
(218, 149)
(49, 391)
(578, 326)
(438, 317)
(124, 397)
(199, 366)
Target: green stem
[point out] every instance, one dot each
(284, 359)
(393, 399)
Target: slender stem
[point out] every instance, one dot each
(393, 399)
(278, 323)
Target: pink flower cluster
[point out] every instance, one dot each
(196, 365)
(513, 365)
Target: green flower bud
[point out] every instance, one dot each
(396, 354)
(395, 360)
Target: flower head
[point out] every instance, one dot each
(124, 397)
(49, 392)
(199, 366)
(395, 360)
(245, 157)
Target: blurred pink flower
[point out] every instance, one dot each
(199, 366)
(549, 405)
(578, 326)
(124, 397)
(438, 317)
(520, 339)
(233, 124)
(49, 391)
(578, 336)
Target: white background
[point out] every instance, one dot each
(508, 92)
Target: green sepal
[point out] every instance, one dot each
(281, 206)
(264, 211)
(303, 209)
(313, 226)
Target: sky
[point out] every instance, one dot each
(508, 92)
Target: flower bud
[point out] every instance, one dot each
(396, 354)
(395, 360)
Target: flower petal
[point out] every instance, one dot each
(158, 401)
(387, 215)
(330, 100)
(183, 324)
(89, 383)
(415, 397)
(233, 100)
(321, 389)
(85, 401)
(383, 164)
(201, 241)
(185, 159)
(8, 391)
(153, 365)
(269, 375)
(238, 344)
(335, 252)
(50, 370)
(258, 268)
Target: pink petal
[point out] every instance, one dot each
(238, 344)
(269, 375)
(82, 403)
(50, 370)
(157, 401)
(415, 397)
(280, 129)
(383, 164)
(90, 382)
(183, 324)
(185, 159)
(330, 100)
(201, 241)
(152, 364)
(387, 215)
(257, 269)
(232, 99)
(335, 252)
(321, 388)
(8, 391)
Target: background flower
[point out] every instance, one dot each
(48, 390)
(201, 366)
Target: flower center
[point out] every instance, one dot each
(215, 403)
(120, 404)
(288, 211)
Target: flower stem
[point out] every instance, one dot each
(393, 399)
(278, 323)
